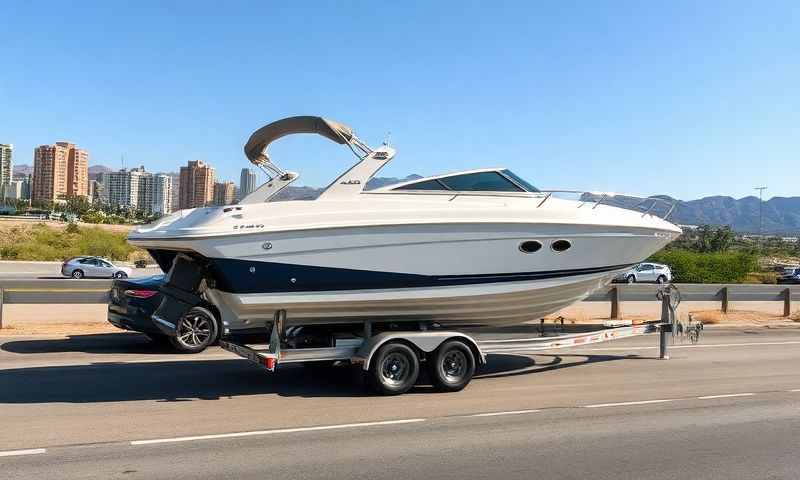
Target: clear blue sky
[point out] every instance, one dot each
(685, 98)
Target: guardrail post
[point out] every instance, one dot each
(616, 307)
(1, 308)
(724, 299)
(787, 302)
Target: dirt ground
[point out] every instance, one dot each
(12, 222)
(63, 320)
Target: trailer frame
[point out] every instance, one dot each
(362, 349)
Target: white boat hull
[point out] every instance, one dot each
(481, 304)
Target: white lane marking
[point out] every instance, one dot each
(727, 395)
(497, 414)
(622, 404)
(31, 451)
(794, 390)
(276, 431)
(710, 345)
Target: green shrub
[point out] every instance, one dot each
(718, 267)
(41, 242)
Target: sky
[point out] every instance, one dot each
(683, 98)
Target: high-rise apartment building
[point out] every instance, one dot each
(224, 193)
(59, 171)
(97, 190)
(137, 189)
(6, 163)
(176, 190)
(247, 182)
(196, 185)
(162, 194)
(119, 189)
(17, 189)
(77, 172)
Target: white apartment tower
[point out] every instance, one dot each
(247, 183)
(162, 194)
(6, 163)
(137, 189)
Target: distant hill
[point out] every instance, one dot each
(781, 215)
(23, 170)
(95, 170)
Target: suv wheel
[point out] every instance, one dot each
(631, 279)
(195, 331)
(78, 274)
(661, 279)
(120, 275)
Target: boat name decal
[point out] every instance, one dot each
(350, 182)
(248, 226)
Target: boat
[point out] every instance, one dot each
(475, 247)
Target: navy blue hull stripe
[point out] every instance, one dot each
(242, 276)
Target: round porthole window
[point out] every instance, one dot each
(530, 246)
(561, 246)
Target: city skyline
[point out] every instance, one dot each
(61, 170)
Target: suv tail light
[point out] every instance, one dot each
(140, 293)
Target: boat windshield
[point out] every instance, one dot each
(489, 181)
(520, 181)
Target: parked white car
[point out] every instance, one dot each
(82, 267)
(646, 272)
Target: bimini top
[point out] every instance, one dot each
(256, 146)
(348, 184)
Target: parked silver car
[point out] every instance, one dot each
(81, 267)
(646, 272)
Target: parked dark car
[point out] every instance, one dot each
(133, 301)
(791, 278)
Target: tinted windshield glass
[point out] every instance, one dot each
(527, 186)
(480, 182)
(426, 185)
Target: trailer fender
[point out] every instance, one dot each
(427, 342)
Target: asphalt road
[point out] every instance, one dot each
(110, 406)
(10, 270)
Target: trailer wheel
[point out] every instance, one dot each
(394, 369)
(452, 366)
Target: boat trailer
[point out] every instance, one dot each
(391, 359)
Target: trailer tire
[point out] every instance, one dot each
(393, 370)
(452, 366)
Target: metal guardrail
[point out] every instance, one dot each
(696, 292)
(68, 291)
(56, 291)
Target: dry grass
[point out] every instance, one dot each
(6, 223)
(742, 317)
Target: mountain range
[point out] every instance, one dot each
(781, 215)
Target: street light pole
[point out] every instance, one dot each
(760, 213)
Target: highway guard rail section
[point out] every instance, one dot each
(85, 291)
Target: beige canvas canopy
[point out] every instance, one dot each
(256, 146)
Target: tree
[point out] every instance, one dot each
(713, 239)
(722, 239)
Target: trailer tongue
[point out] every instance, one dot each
(391, 360)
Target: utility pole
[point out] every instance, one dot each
(760, 214)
